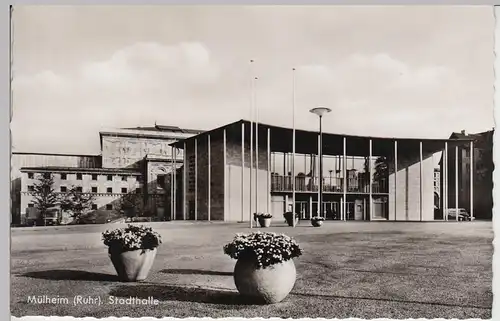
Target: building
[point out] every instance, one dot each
(207, 176)
(132, 161)
(395, 176)
(460, 195)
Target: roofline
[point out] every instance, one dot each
(80, 170)
(56, 154)
(179, 143)
(125, 132)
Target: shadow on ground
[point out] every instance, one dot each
(194, 271)
(71, 275)
(177, 293)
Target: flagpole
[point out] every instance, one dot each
(256, 147)
(293, 147)
(251, 138)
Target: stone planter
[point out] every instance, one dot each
(264, 285)
(132, 265)
(316, 223)
(264, 222)
(289, 218)
(290, 222)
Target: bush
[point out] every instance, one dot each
(131, 238)
(264, 248)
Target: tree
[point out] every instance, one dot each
(381, 169)
(131, 204)
(77, 202)
(44, 195)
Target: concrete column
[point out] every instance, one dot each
(471, 180)
(319, 179)
(293, 177)
(456, 182)
(268, 170)
(364, 209)
(421, 183)
(344, 181)
(342, 214)
(310, 206)
(225, 174)
(371, 178)
(445, 182)
(195, 179)
(184, 183)
(172, 171)
(243, 171)
(257, 167)
(395, 179)
(209, 177)
(176, 151)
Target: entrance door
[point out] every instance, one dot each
(350, 211)
(302, 208)
(332, 210)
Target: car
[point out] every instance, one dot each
(463, 215)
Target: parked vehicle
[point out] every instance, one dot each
(463, 215)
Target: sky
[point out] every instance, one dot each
(401, 71)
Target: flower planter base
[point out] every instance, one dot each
(133, 265)
(264, 285)
(264, 222)
(317, 223)
(290, 222)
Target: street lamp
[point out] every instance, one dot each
(320, 111)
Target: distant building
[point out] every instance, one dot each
(132, 160)
(482, 174)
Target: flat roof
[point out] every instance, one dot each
(306, 141)
(60, 169)
(56, 154)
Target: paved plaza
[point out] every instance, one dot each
(349, 269)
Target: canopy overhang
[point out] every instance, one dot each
(306, 142)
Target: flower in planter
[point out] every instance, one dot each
(132, 251)
(131, 238)
(264, 248)
(262, 215)
(317, 218)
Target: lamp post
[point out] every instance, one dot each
(320, 111)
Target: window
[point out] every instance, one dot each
(79, 189)
(124, 178)
(31, 205)
(64, 189)
(109, 190)
(79, 176)
(94, 189)
(124, 190)
(31, 188)
(160, 181)
(31, 175)
(94, 177)
(63, 176)
(109, 207)
(110, 177)
(94, 206)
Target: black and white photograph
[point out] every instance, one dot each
(252, 161)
